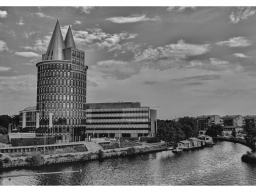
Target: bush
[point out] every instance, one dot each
(35, 160)
(69, 150)
(80, 148)
(131, 151)
(7, 160)
(100, 154)
(1, 163)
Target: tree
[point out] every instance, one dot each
(234, 133)
(5, 120)
(250, 131)
(214, 130)
(189, 126)
(36, 159)
(3, 130)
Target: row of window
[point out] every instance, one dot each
(119, 110)
(63, 121)
(45, 106)
(54, 66)
(117, 120)
(62, 90)
(75, 98)
(77, 54)
(77, 61)
(68, 82)
(116, 115)
(118, 126)
(72, 75)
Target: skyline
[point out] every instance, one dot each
(181, 61)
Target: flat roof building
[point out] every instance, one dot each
(120, 119)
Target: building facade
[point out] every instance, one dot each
(206, 121)
(27, 121)
(249, 119)
(61, 88)
(232, 123)
(120, 119)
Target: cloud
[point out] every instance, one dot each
(21, 22)
(131, 19)
(96, 37)
(17, 83)
(3, 14)
(3, 46)
(181, 50)
(179, 9)
(199, 77)
(241, 13)
(85, 9)
(27, 54)
(78, 22)
(2, 68)
(115, 68)
(43, 15)
(40, 45)
(214, 64)
(235, 42)
(150, 82)
(241, 55)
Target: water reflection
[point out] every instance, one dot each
(218, 165)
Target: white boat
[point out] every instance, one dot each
(177, 150)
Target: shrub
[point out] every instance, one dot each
(7, 160)
(100, 154)
(131, 151)
(35, 160)
(1, 163)
(68, 150)
(80, 148)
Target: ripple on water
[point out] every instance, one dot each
(218, 165)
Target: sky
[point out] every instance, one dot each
(181, 61)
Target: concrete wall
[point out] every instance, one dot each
(153, 121)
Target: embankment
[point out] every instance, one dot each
(83, 156)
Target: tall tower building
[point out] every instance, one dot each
(61, 89)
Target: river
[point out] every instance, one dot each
(217, 165)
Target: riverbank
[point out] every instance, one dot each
(234, 140)
(39, 159)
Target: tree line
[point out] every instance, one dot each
(5, 120)
(173, 131)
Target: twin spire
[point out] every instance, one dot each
(56, 45)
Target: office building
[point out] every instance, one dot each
(61, 88)
(120, 119)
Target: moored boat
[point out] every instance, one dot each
(177, 150)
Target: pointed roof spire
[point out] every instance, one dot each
(56, 45)
(69, 40)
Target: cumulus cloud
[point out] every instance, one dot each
(27, 54)
(20, 22)
(181, 50)
(241, 55)
(214, 64)
(3, 14)
(131, 19)
(235, 42)
(40, 45)
(3, 46)
(179, 9)
(241, 13)
(3, 68)
(40, 14)
(96, 37)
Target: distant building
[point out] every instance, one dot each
(206, 121)
(232, 123)
(27, 121)
(124, 119)
(249, 119)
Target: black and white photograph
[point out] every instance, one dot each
(127, 95)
